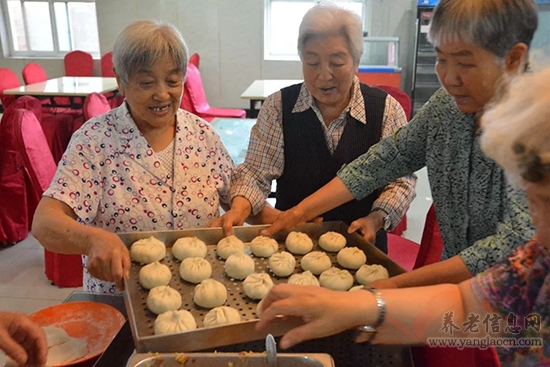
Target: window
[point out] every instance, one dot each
(282, 20)
(50, 28)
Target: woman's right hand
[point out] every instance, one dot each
(291, 218)
(108, 258)
(240, 210)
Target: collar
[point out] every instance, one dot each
(356, 105)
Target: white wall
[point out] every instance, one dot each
(228, 35)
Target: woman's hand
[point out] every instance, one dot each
(367, 226)
(268, 215)
(323, 311)
(240, 210)
(291, 218)
(22, 340)
(108, 258)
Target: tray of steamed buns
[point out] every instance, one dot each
(195, 289)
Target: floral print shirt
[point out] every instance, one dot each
(480, 216)
(112, 179)
(520, 287)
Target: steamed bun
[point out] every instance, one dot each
(316, 262)
(336, 279)
(186, 247)
(305, 278)
(262, 246)
(257, 285)
(369, 273)
(332, 241)
(147, 250)
(195, 269)
(356, 288)
(298, 243)
(163, 298)
(222, 315)
(228, 246)
(282, 263)
(154, 274)
(239, 265)
(351, 258)
(172, 322)
(210, 293)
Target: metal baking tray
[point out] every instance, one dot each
(230, 359)
(206, 339)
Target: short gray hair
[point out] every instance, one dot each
(495, 25)
(143, 42)
(328, 19)
(516, 129)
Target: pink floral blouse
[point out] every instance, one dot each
(112, 179)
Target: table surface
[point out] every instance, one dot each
(67, 87)
(262, 88)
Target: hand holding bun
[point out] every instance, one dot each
(172, 322)
(147, 250)
(154, 274)
(163, 298)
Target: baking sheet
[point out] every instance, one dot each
(141, 319)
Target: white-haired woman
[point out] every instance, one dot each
(307, 131)
(510, 300)
(479, 45)
(145, 166)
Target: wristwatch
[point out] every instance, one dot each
(386, 222)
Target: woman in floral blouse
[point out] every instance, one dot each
(479, 45)
(144, 166)
(507, 306)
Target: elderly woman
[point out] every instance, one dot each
(144, 166)
(515, 292)
(306, 132)
(479, 45)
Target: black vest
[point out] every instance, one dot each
(309, 165)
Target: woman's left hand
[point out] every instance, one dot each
(324, 312)
(367, 226)
(22, 340)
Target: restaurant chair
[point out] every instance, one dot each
(95, 104)
(107, 65)
(194, 98)
(34, 73)
(8, 80)
(78, 63)
(57, 128)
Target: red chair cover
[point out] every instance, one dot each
(33, 73)
(78, 63)
(401, 97)
(95, 104)
(107, 65)
(194, 99)
(8, 80)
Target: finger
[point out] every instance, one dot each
(227, 225)
(274, 228)
(354, 226)
(217, 222)
(126, 265)
(117, 272)
(13, 349)
(317, 220)
(302, 333)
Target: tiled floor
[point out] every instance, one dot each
(24, 287)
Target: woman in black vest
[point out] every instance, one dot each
(306, 132)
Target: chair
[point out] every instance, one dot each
(57, 128)
(194, 98)
(34, 73)
(107, 65)
(95, 104)
(78, 63)
(8, 80)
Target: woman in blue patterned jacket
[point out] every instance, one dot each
(479, 45)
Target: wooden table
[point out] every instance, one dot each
(260, 89)
(74, 88)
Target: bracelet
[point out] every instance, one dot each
(381, 304)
